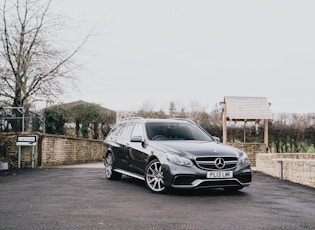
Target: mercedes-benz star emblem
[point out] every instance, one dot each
(219, 163)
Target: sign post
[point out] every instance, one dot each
(26, 141)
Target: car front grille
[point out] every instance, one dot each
(218, 183)
(217, 162)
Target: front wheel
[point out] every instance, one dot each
(109, 168)
(154, 178)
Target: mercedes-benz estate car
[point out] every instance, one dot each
(173, 153)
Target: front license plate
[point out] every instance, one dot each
(220, 174)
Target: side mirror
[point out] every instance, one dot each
(216, 139)
(136, 139)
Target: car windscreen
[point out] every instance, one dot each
(176, 131)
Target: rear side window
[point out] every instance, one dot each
(115, 131)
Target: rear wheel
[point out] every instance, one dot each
(154, 177)
(109, 168)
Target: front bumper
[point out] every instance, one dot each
(192, 178)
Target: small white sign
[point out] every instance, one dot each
(26, 139)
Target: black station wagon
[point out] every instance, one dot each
(173, 153)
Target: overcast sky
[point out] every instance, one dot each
(145, 51)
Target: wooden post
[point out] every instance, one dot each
(266, 134)
(223, 105)
(244, 131)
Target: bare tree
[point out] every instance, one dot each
(172, 109)
(196, 111)
(31, 68)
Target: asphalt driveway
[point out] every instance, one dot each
(81, 198)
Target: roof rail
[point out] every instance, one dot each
(184, 119)
(132, 118)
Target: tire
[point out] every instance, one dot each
(154, 178)
(109, 168)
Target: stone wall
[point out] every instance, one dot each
(58, 150)
(52, 150)
(295, 167)
(252, 149)
(10, 153)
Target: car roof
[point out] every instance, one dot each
(157, 120)
(173, 120)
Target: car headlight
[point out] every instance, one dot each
(243, 159)
(175, 159)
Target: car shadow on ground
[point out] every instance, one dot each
(184, 192)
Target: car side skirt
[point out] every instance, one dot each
(127, 173)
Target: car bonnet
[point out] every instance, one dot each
(195, 148)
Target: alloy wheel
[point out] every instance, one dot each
(109, 168)
(154, 177)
